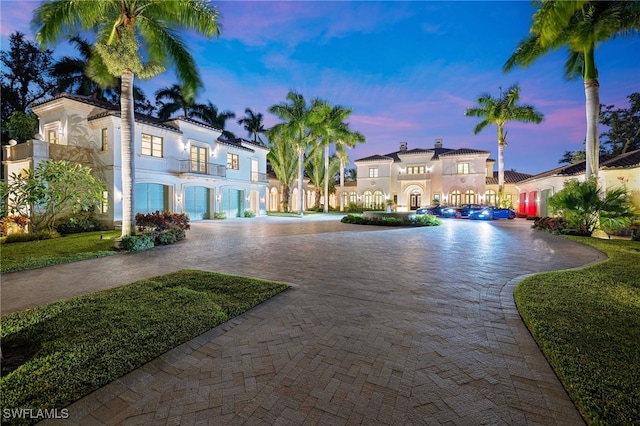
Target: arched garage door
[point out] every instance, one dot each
(151, 197)
(196, 202)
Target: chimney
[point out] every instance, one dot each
(438, 143)
(403, 146)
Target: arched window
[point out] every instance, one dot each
(490, 197)
(469, 196)
(367, 200)
(455, 198)
(378, 200)
(353, 197)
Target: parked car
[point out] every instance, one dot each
(464, 210)
(490, 213)
(435, 210)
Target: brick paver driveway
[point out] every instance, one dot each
(381, 326)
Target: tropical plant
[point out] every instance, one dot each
(253, 124)
(21, 126)
(50, 190)
(125, 29)
(500, 111)
(346, 139)
(298, 118)
(315, 166)
(624, 125)
(585, 207)
(578, 25)
(283, 160)
(209, 114)
(176, 102)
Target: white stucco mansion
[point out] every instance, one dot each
(181, 165)
(411, 178)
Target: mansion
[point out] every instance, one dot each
(181, 165)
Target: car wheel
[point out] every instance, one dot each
(511, 216)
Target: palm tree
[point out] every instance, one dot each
(209, 114)
(125, 29)
(500, 111)
(252, 123)
(176, 102)
(318, 174)
(580, 26)
(346, 139)
(283, 161)
(297, 118)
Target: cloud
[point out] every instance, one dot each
(16, 16)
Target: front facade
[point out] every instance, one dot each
(615, 171)
(411, 178)
(181, 165)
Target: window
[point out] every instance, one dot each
(373, 172)
(198, 159)
(104, 203)
(469, 196)
(353, 197)
(415, 170)
(151, 145)
(463, 168)
(52, 132)
(378, 199)
(490, 197)
(454, 198)
(233, 162)
(367, 200)
(436, 198)
(104, 139)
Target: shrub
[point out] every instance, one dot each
(75, 225)
(137, 242)
(427, 220)
(22, 237)
(220, 215)
(249, 213)
(163, 227)
(354, 208)
(419, 220)
(555, 225)
(8, 222)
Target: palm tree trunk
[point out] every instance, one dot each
(326, 178)
(501, 145)
(127, 149)
(341, 185)
(300, 178)
(591, 91)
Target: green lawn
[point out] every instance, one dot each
(587, 323)
(70, 248)
(75, 346)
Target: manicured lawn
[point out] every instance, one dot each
(70, 248)
(56, 354)
(587, 323)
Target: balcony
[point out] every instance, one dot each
(198, 168)
(413, 176)
(41, 150)
(257, 177)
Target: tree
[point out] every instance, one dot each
(315, 162)
(624, 126)
(297, 118)
(500, 111)
(21, 126)
(125, 29)
(26, 79)
(346, 139)
(586, 208)
(176, 102)
(209, 114)
(283, 161)
(51, 189)
(578, 25)
(252, 123)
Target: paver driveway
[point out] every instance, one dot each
(381, 326)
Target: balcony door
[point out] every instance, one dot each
(414, 200)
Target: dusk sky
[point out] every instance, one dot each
(407, 69)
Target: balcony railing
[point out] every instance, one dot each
(258, 177)
(46, 151)
(208, 169)
(413, 176)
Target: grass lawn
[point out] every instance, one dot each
(56, 354)
(587, 323)
(70, 248)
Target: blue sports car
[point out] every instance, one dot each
(490, 213)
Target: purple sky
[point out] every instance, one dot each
(407, 69)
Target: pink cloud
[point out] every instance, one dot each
(16, 16)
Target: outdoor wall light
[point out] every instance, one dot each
(218, 198)
(179, 198)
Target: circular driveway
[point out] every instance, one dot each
(381, 326)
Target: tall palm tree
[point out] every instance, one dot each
(175, 101)
(318, 175)
(253, 124)
(209, 114)
(125, 29)
(578, 25)
(283, 160)
(346, 139)
(500, 111)
(297, 118)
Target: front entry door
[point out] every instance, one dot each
(414, 202)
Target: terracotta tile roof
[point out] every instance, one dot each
(623, 161)
(192, 121)
(378, 157)
(84, 99)
(140, 118)
(509, 177)
(463, 151)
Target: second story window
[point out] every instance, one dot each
(373, 172)
(233, 162)
(151, 145)
(198, 159)
(104, 138)
(463, 168)
(415, 170)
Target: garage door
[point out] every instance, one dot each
(196, 202)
